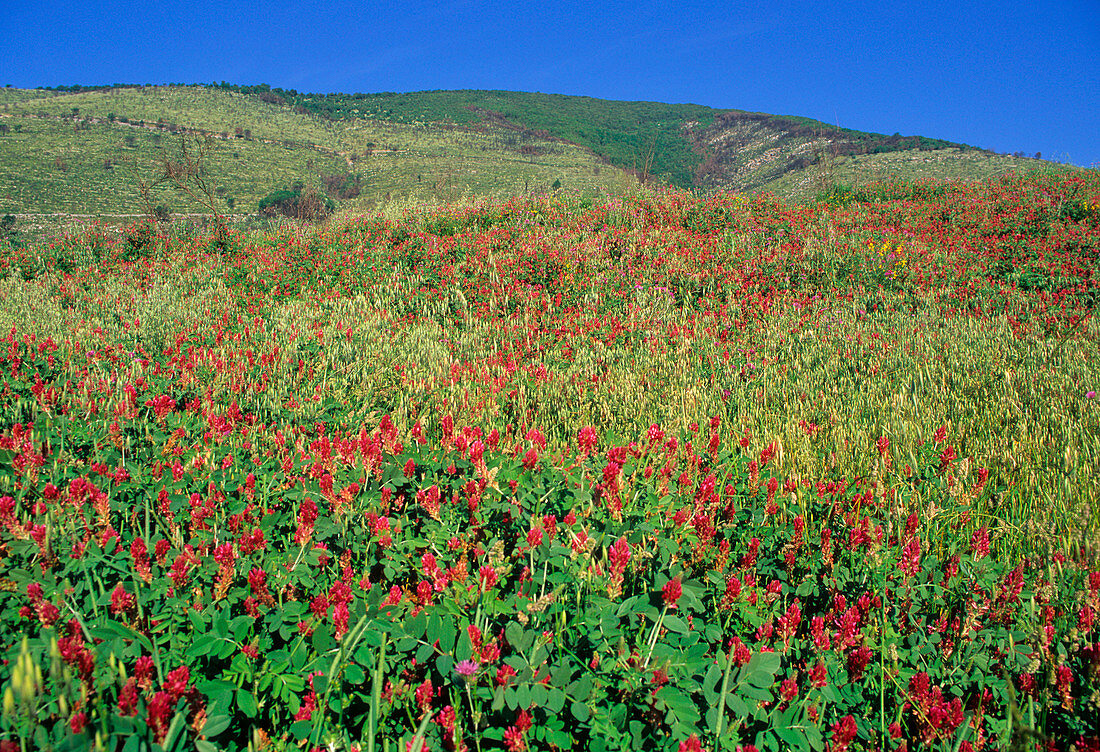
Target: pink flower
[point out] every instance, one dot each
(121, 601)
(467, 668)
(530, 459)
(671, 592)
(844, 733)
(979, 543)
(587, 439)
(514, 740)
(619, 553)
(487, 576)
(691, 744)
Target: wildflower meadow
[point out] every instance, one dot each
(561, 473)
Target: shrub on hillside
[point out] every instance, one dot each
(299, 202)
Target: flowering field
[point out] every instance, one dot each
(652, 473)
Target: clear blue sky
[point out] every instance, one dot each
(1009, 76)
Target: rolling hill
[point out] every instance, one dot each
(84, 150)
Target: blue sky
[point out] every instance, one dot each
(1003, 75)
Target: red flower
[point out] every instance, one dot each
(671, 592)
(487, 577)
(175, 683)
(691, 744)
(225, 556)
(619, 553)
(394, 597)
(909, 563)
(788, 690)
(128, 698)
(587, 439)
(159, 714)
(979, 543)
(309, 704)
(857, 663)
(121, 601)
(144, 670)
(424, 694)
(139, 553)
(514, 740)
(844, 733)
(531, 458)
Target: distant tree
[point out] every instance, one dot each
(188, 172)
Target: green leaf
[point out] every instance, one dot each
(354, 673)
(215, 725)
(580, 711)
(539, 695)
(808, 587)
(322, 639)
(794, 738)
(675, 624)
(221, 623)
(555, 701)
(247, 703)
(202, 645)
(301, 729)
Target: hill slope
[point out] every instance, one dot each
(85, 151)
(685, 145)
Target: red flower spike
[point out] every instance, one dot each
(671, 592)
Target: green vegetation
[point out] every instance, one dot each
(644, 137)
(85, 150)
(84, 153)
(658, 472)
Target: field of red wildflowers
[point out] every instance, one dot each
(649, 473)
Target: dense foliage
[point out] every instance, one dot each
(653, 473)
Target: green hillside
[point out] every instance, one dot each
(85, 150)
(685, 145)
(645, 137)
